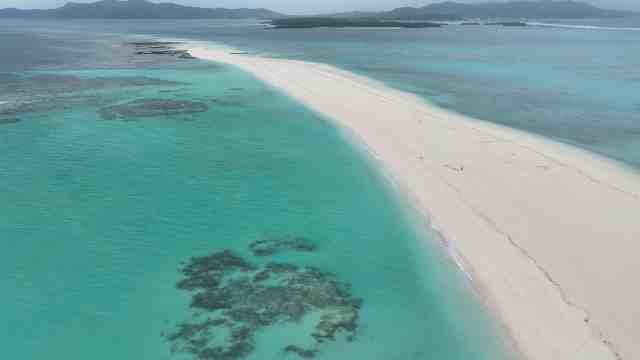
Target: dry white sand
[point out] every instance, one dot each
(550, 234)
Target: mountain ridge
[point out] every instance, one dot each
(138, 9)
(441, 11)
(542, 9)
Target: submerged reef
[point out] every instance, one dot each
(43, 104)
(273, 246)
(54, 84)
(509, 23)
(316, 22)
(142, 108)
(40, 105)
(232, 299)
(301, 352)
(9, 121)
(161, 48)
(228, 100)
(53, 92)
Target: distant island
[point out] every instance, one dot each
(404, 16)
(449, 10)
(137, 9)
(504, 14)
(508, 23)
(314, 22)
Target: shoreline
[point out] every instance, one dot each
(556, 300)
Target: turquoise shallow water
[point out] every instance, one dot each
(577, 83)
(98, 215)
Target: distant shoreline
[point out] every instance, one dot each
(315, 22)
(437, 11)
(514, 206)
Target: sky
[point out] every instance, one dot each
(304, 6)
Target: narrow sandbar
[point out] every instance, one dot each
(549, 233)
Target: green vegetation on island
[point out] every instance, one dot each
(137, 9)
(442, 11)
(508, 23)
(315, 22)
(452, 11)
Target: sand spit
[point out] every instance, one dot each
(548, 232)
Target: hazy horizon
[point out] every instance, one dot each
(295, 7)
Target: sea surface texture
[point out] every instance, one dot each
(573, 81)
(155, 208)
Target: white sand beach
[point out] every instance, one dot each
(549, 233)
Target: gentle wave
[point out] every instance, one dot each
(583, 27)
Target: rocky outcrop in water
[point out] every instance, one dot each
(145, 108)
(232, 299)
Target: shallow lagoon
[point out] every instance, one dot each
(100, 215)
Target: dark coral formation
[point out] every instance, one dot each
(151, 107)
(41, 104)
(232, 299)
(229, 100)
(154, 44)
(9, 121)
(207, 271)
(300, 351)
(160, 48)
(52, 92)
(274, 246)
(54, 84)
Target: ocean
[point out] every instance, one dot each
(155, 208)
(574, 81)
(125, 178)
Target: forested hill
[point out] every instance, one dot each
(545, 9)
(138, 9)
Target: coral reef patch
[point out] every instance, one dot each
(144, 108)
(228, 100)
(161, 48)
(232, 299)
(53, 92)
(9, 121)
(273, 246)
(54, 84)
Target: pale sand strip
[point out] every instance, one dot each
(549, 233)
